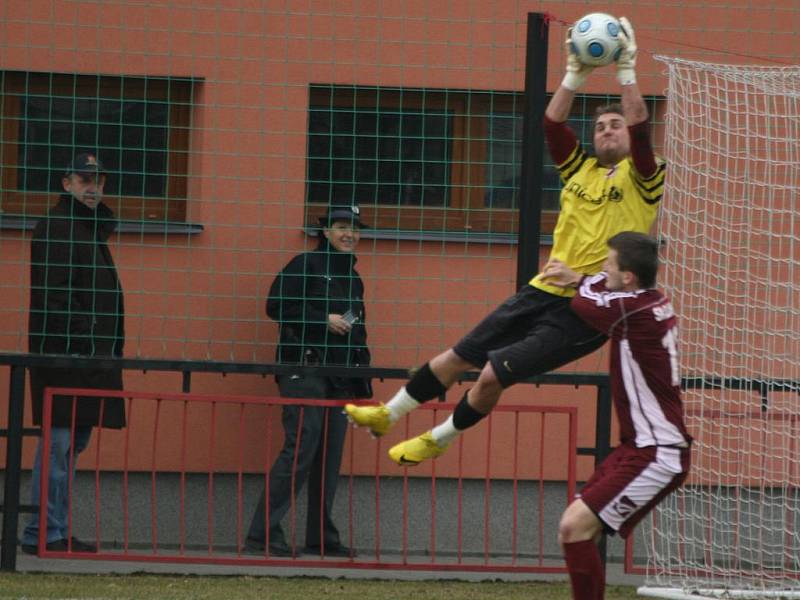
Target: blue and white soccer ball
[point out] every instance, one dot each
(595, 39)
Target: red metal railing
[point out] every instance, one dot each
(388, 532)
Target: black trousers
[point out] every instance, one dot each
(312, 451)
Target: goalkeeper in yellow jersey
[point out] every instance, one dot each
(535, 331)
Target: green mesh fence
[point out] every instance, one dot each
(228, 129)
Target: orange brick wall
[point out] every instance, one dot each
(256, 60)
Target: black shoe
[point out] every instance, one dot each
(80, 546)
(61, 546)
(30, 549)
(276, 547)
(336, 549)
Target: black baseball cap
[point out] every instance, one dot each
(351, 213)
(85, 163)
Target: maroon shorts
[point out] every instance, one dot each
(631, 481)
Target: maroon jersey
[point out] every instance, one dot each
(645, 381)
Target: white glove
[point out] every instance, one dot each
(626, 63)
(577, 72)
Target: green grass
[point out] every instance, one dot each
(96, 587)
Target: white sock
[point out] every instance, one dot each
(401, 404)
(444, 433)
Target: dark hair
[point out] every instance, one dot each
(637, 253)
(604, 109)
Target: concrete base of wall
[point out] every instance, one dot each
(212, 516)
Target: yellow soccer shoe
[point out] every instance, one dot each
(412, 452)
(375, 418)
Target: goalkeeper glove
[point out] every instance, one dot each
(626, 63)
(577, 72)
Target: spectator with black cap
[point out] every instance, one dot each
(318, 302)
(76, 309)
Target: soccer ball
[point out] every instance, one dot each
(595, 39)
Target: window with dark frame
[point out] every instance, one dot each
(429, 160)
(139, 127)
(376, 157)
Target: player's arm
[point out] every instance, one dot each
(576, 73)
(563, 145)
(561, 140)
(637, 116)
(560, 104)
(633, 105)
(600, 308)
(557, 273)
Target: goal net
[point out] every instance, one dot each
(732, 267)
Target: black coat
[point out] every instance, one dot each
(309, 288)
(76, 309)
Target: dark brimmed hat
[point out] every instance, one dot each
(349, 213)
(85, 162)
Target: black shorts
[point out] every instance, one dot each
(532, 332)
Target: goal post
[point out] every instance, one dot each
(731, 231)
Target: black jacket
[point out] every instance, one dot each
(76, 308)
(309, 288)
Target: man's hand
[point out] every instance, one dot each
(560, 275)
(577, 72)
(338, 325)
(626, 63)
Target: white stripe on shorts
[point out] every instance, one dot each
(643, 488)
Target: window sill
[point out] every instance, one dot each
(22, 223)
(439, 236)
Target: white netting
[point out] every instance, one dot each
(732, 267)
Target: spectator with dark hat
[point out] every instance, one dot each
(318, 302)
(76, 309)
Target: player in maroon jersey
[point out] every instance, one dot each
(653, 456)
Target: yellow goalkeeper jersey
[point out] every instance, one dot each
(597, 203)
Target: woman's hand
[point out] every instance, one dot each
(338, 325)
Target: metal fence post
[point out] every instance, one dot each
(530, 184)
(603, 439)
(16, 408)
